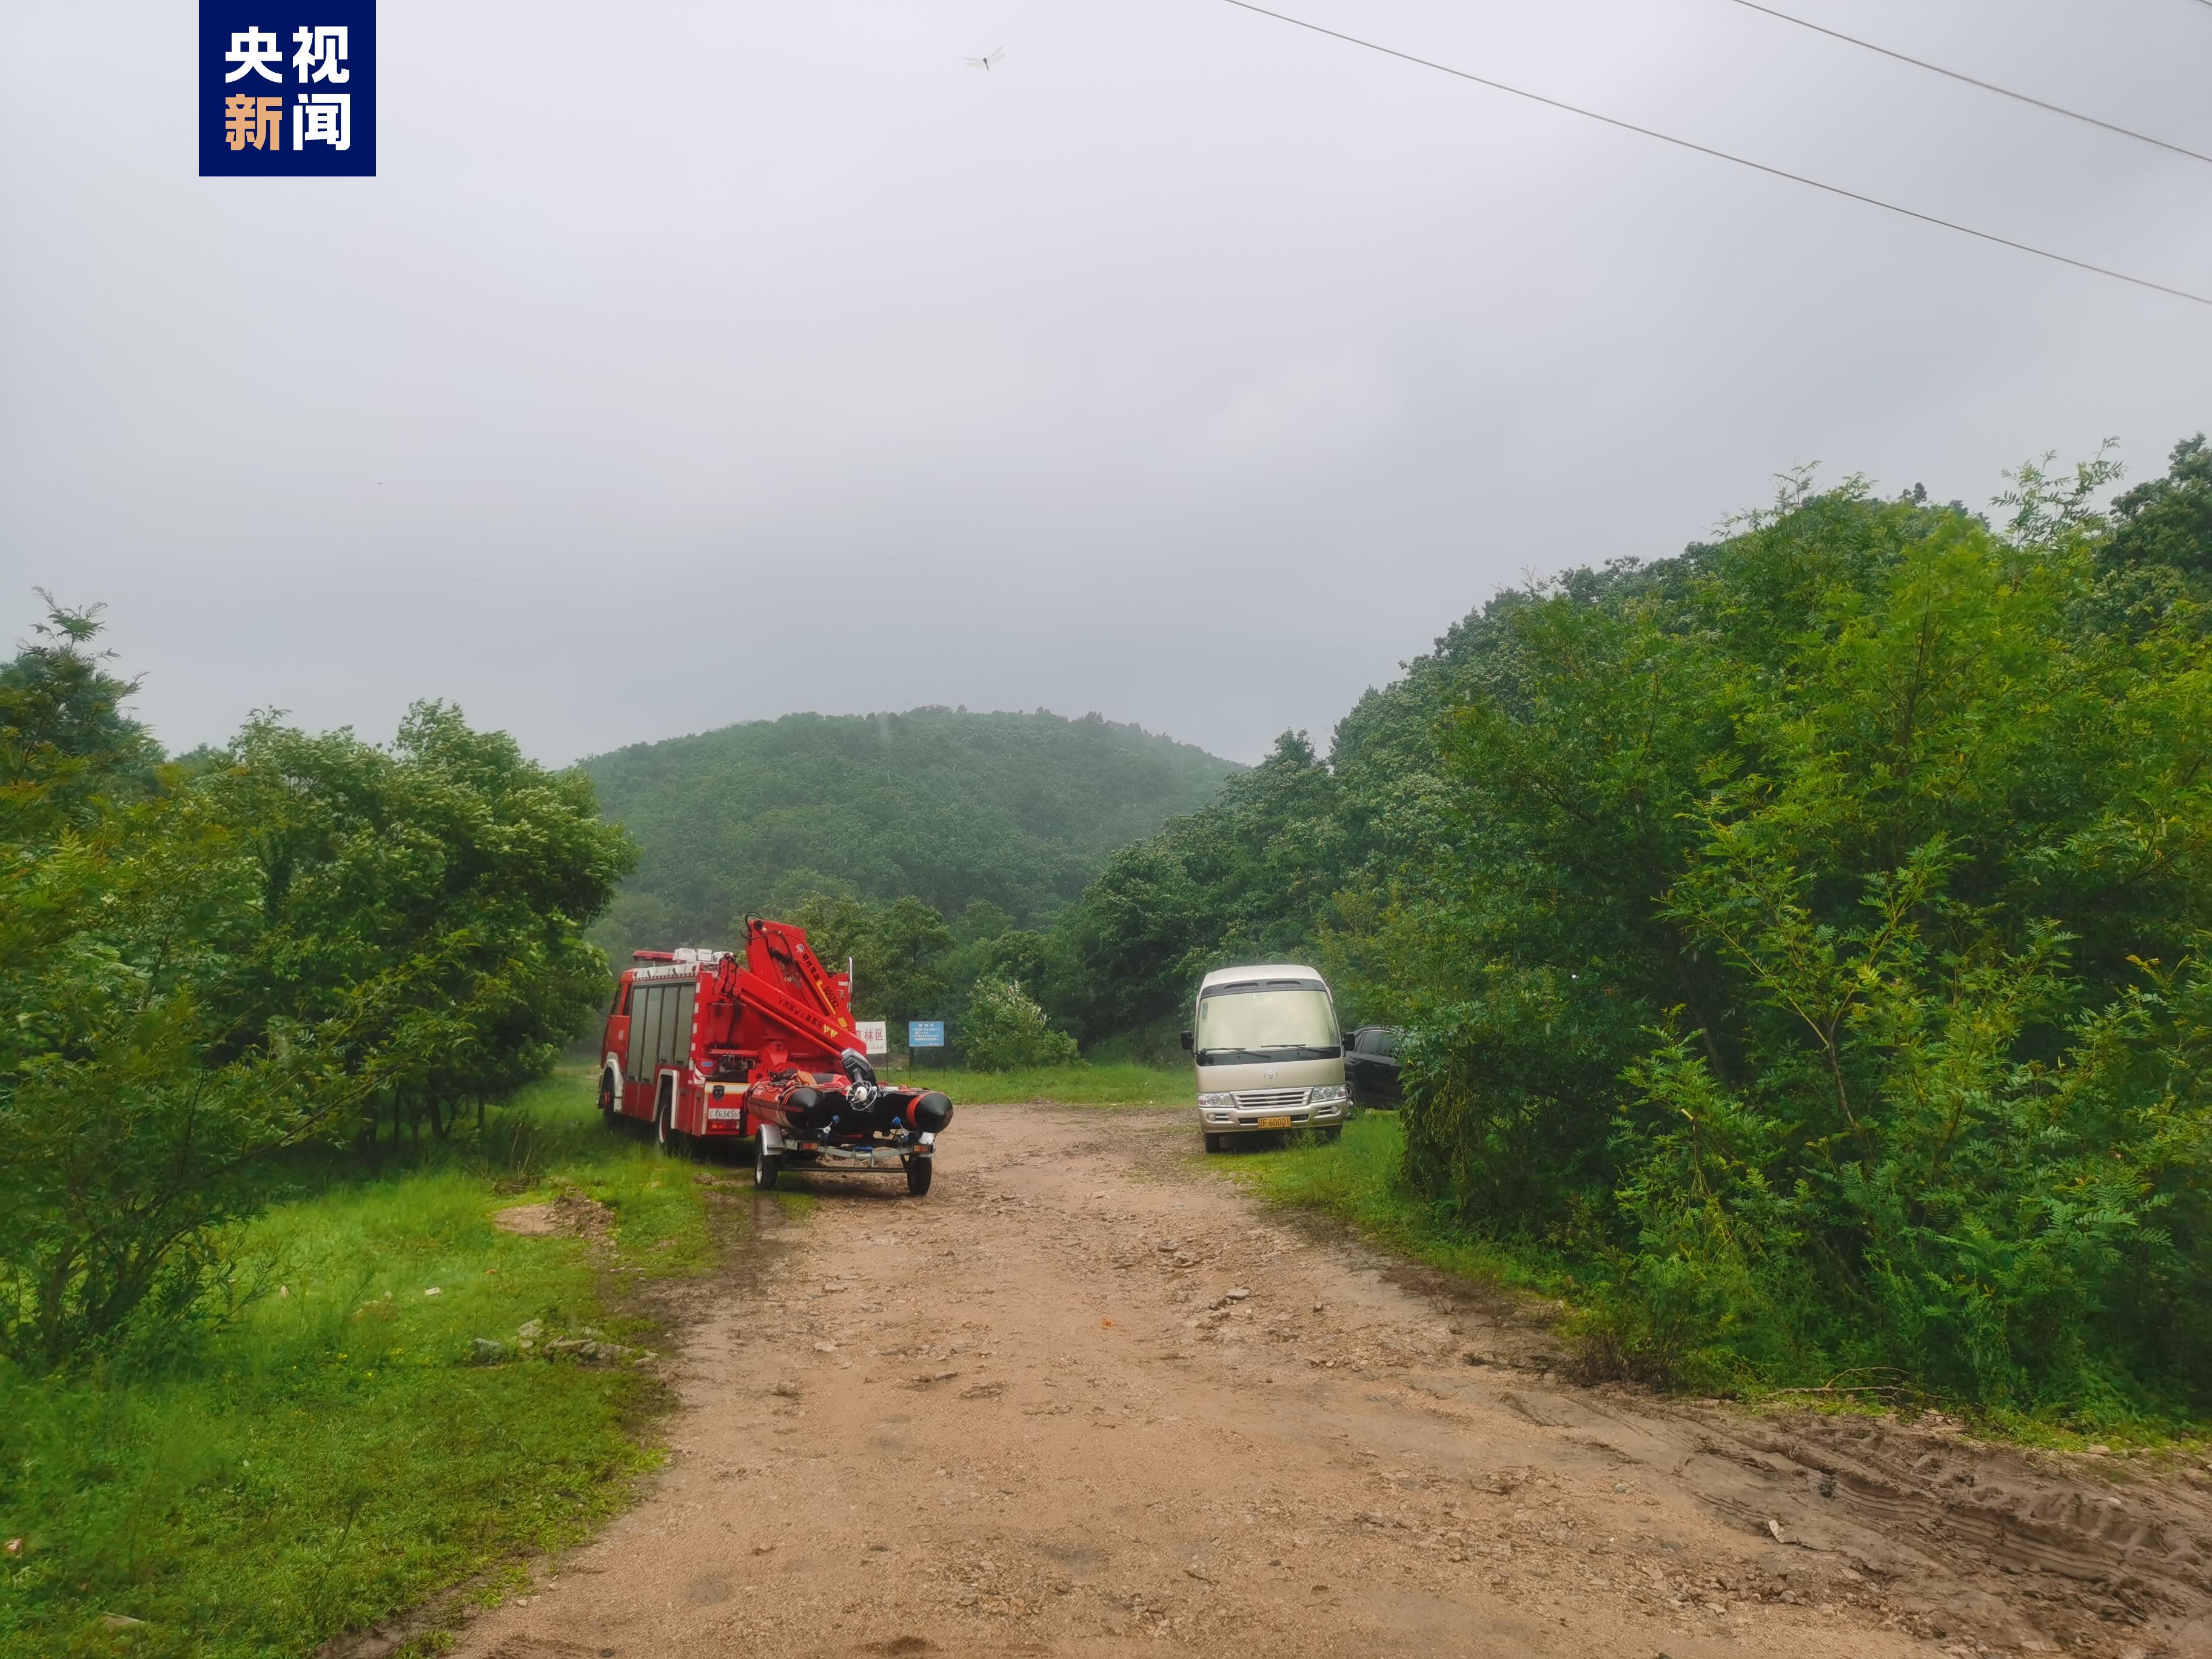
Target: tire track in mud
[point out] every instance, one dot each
(1086, 1398)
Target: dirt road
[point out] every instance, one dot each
(1086, 1398)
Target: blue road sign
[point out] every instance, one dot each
(925, 1034)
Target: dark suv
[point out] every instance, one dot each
(1370, 1064)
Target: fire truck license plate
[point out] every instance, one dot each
(725, 1113)
(1275, 1124)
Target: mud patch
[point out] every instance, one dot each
(2028, 1547)
(570, 1214)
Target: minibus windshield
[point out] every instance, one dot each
(1249, 1025)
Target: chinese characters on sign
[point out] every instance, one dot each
(288, 95)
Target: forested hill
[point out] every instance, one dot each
(1018, 811)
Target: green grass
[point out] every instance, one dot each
(336, 1453)
(1076, 1086)
(1355, 1181)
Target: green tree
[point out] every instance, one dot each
(63, 731)
(1244, 877)
(2168, 520)
(898, 953)
(450, 851)
(1958, 829)
(202, 967)
(124, 1146)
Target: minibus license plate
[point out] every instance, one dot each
(1275, 1124)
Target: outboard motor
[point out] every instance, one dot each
(863, 1091)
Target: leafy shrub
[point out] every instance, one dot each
(1005, 1028)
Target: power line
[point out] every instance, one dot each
(1725, 156)
(1986, 86)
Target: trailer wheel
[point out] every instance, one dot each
(919, 1170)
(765, 1166)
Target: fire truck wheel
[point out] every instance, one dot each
(918, 1173)
(765, 1166)
(673, 1141)
(609, 1098)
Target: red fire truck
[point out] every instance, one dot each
(709, 1045)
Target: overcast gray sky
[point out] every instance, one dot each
(698, 362)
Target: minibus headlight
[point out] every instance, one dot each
(1217, 1100)
(1327, 1095)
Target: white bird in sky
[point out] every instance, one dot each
(988, 60)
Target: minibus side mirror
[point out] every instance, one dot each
(1186, 1039)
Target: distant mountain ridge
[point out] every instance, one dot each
(1016, 811)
